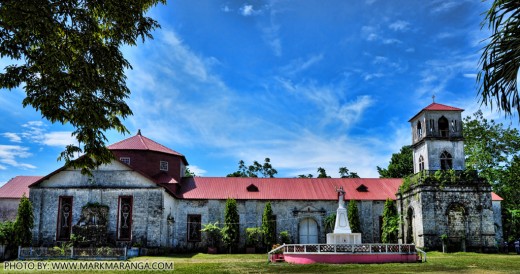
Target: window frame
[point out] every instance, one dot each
(125, 160)
(421, 163)
(62, 235)
(446, 160)
(419, 130)
(163, 165)
(193, 225)
(130, 218)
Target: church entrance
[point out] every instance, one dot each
(308, 231)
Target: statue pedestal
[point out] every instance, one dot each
(343, 238)
(342, 233)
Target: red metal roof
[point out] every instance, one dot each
(287, 188)
(436, 107)
(139, 142)
(220, 188)
(17, 186)
(441, 107)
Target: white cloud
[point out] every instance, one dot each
(298, 65)
(9, 155)
(271, 37)
(391, 41)
(191, 103)
(380, 60)
(371, 76)
(369, 33)
(13, 137)
(197, 170)
(444, 6)
(438, 73)
(36, 132)
(247, 10)
(399, 25)
(330, 101)
(226, 8)
(304, 152)
(58, 138)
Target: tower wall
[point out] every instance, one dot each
(463, 212)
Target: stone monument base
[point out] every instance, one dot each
(343, 238)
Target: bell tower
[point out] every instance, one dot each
(437, 139)
(444, 209)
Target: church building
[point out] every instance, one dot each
(142, 197)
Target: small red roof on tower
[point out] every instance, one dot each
(441, 107)
(139, 142)
(437, 107)
(17, 186)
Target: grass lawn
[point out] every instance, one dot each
(246, 263)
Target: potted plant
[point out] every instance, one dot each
(213, 233)
(277, 255)
(254, 237)
(285, 237)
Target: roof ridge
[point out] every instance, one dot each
(142, 141)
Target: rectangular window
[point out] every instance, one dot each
(194, 226)
(64, 218)
(124, 219)
(125, 160)
(273, 220)
(163, 166)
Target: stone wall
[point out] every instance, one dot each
(8, 209)
(105, 187)
(289, 215)
(435, 210)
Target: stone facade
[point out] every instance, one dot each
(8, 209)
(464, 213)
(290, 215)
(461, 208)
(105, 187)
(151, 204)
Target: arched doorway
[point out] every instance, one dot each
(457, 225)
(308, 231)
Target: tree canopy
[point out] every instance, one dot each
(24, 222)
(268, 226)
(345, 173)
(489, 147)
(390, 225)
(231, 229)
(322, 173)
(500, 57)
(255, 170)
(401, 164)
(494, 151)
(353, 217)
(66, 56)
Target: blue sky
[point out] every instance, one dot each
(306, 83)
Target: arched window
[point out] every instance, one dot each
(421, 163)
(419, 130)
(444, 127)
(446, 161)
